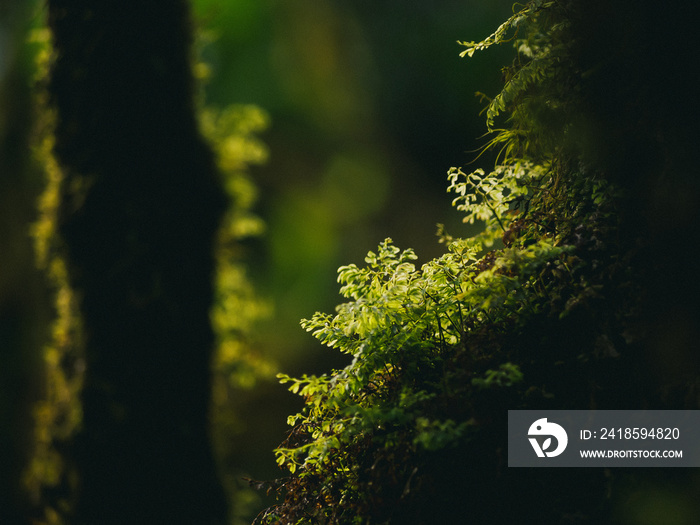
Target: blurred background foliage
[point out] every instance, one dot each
(361, 109)
(369, 105)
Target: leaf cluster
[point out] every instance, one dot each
(532, 116)
(431, 351)
(522, 315)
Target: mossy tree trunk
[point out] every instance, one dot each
(140, 209)
(24, 301)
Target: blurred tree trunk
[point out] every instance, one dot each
(140, 208)
(24, 302)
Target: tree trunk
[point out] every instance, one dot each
(140, 208)
(24, 302)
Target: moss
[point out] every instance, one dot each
(129, 226)
(557, 304)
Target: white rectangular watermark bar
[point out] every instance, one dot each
(604, 438)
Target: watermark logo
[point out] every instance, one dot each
(542, 428)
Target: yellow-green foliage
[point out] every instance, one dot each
(58, 415)
(440, 352)
(238, 363)
(232, 133)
